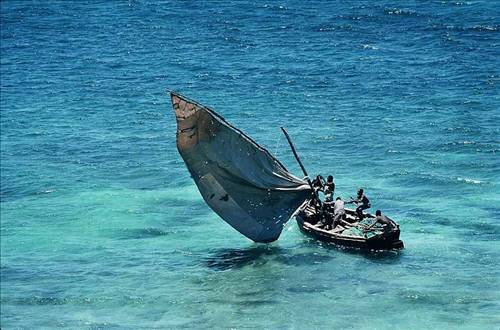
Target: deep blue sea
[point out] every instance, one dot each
(102, 227)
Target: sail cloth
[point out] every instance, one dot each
(241, 181)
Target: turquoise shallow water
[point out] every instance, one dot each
(102, 227)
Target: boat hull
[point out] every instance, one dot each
(386, 241)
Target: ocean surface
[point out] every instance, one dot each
(102, 227)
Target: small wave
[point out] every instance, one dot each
(472, 181)
(351, 17)
(400, 173)
(462, 129)
(48, 191)
(435, 298)
(367, 46)
(275, 7)
(440, 179)
(458, 143)
(54, 300)
(484, 28)
(459, 28)
(37, 300)
(324, 138)
(329, 28)
(399, 11)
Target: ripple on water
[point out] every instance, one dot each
(143, 233)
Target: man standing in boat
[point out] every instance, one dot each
(338, 211)
(329, 189)
(364, 201)
(327, 213)
(318, 183)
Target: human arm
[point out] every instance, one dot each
(352, 200)
(372, 225)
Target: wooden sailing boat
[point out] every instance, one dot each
(248, 187)
(351, 233)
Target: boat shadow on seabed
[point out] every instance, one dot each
(255, 255)
(258, 255)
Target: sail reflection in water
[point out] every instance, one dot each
(241, 181)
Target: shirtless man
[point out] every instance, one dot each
(384, 221)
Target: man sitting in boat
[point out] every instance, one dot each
(387, 224)
(327, 220)
(364, 201)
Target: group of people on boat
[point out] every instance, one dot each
(332, 213)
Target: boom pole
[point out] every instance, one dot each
(301, 166)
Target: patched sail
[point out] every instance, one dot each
(241, 181)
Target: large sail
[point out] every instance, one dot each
(241, 181)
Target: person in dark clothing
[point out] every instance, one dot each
(327, 220)
(363, 203)
(330, 185)
(318, 183)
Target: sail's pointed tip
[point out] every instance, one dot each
(176, 96)
(174, 93)
(183, 106)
